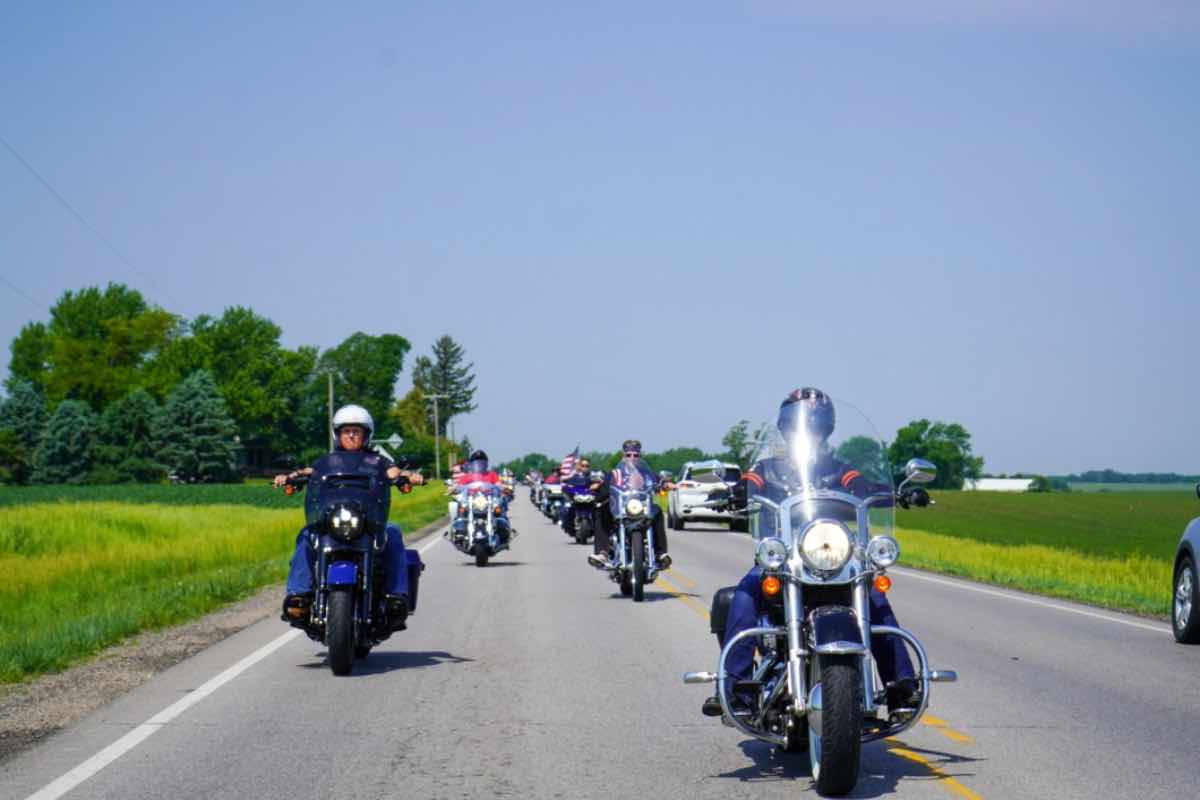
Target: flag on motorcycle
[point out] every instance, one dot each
(456, 470)
(567, 467)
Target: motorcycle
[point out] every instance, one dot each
(346, 511)
(481, 528)
(821, 549)
(634, 562)
(553, 502)
(585, 503)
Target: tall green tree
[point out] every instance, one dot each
(365, 369)
(15, 465)
(740, 443)
(197, 432)
(446, 374)
(30, 357)
(127, 447)
(946, 444)
(66, 451)
(265, 385)
(97, 345)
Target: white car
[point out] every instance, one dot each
(696, 482)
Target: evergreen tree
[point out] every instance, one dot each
(127, 441)
(24, 413)
(14, 458)
(197, 433)
(66, 451)
(445, 374)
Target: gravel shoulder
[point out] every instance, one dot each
(31, 712)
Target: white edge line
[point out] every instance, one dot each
(141, 733)
(151, 726)
(1012, 595)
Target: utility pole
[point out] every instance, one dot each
(329, 375)
(437, 450)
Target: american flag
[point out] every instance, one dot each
(567, 467)
(456, 470)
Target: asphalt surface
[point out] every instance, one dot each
(533, 677)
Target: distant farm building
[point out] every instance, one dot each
(998, 485)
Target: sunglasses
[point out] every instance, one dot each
(633, 453)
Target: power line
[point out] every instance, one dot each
(80, 218)
(18, 291)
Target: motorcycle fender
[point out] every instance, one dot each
(834, 630)
(342, 573)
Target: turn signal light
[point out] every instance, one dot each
(771, 586)
(498, 509)
(883, 583)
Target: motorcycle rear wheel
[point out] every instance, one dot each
(638, 545)
(834, 754)
(339, 631)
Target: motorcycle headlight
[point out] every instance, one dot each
(772, 553)
(584, 498)
(635, 508)
(344, 524)
(883, 551)
(479, 503)
(825, 545)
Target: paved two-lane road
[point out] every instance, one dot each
(534, 677)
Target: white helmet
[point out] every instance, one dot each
(354, 415)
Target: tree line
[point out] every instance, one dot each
(946, 444)
(113, 389)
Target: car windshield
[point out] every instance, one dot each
(852, 460)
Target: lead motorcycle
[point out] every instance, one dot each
(815, 686)
(346, 514)
(480, 528)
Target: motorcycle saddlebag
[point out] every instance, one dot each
(719, 613)
(415, 568)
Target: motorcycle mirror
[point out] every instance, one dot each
(918, 470)
(666, 475)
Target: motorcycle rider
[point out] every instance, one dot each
(807, 418)
(352, 428)
(580, 477)
(475, 470)
(630, 472)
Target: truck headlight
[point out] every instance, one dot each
(825, 545)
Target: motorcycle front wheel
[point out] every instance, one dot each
(339, 631)
(639, 567)
(834, 751)
(481, 555)
(582, 528)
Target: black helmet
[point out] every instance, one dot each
(478, 455)
(806, 410)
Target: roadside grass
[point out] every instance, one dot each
(82, 576)
(1109, 525)
(1115, 488)
(253, 493)
(1133, 582)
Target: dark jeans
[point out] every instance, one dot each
(395, 568)
(605, 525)
(748, 606)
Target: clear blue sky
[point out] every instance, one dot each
(651, 219)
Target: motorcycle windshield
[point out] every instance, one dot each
(833, 476)
(345, 477)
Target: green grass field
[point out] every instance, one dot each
(256, 493)
(1190, 488)
(1111, 550)
(82, 575)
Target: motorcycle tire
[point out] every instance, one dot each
(481, 556)
(638, 580)
(626, 584)
(739, 526)
(1185, 603)
(581, 532)
(339, 631)
(835, 753)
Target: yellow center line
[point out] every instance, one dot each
(944, 729)
(943, 777)
(690, 602)
(687, 582)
